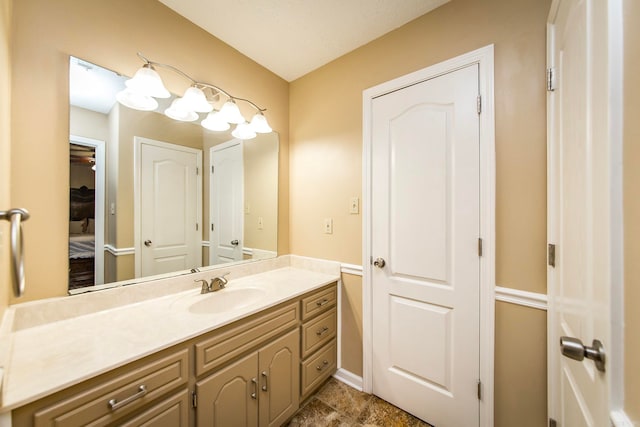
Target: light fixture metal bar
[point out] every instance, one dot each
(197, 83)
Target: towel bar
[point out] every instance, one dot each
(16, 216)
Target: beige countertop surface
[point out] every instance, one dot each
(48, 357)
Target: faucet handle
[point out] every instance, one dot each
(222, 279)
(206, 287)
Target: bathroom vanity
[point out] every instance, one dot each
(246, 355)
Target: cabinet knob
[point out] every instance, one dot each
(325, 363)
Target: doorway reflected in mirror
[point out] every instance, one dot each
(124, 224)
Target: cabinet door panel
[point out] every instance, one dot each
(279, 379)
(170, 412)
(229, 397)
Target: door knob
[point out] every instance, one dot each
(379, 262)
(574, 349)
(235, 242)
(147, 243)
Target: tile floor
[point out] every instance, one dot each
(338, 405)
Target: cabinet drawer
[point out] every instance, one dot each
(318, 368)
(318, 332)
(318, 302)
(104, 403)
(241, 336)
(173, 411)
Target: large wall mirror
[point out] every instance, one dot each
(152, 196)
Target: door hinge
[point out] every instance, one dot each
(479, 101)
(479, 246)
(212, 227)
(551, 254)
(197, 171)
(212, 168)
(550, 83)
(371, 260)
(196, 226)
(479, 390)
(194, 400)
(552, 422)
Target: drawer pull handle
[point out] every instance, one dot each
(114, 404)
(324, 330)
(265, 387)
(325, 363)
(254, 384)
(322, 302)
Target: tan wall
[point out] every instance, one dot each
(632, 207)
(5, 149)
(260, 157)
(108, 34)
(521, 366)
(351, 317)
(326, 152)
(89, 124)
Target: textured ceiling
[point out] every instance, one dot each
(294, 37)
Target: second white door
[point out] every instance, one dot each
(425, 228)
(226, 202)
(169, 233)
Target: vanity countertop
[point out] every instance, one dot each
(50, 357)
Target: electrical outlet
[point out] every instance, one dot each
(354, 205)
(328, 226)
(260, 223)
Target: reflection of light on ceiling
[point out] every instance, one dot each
(92, 87)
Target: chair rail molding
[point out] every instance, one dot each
(524, 298)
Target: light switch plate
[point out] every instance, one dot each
(354, 205)
(328, 226)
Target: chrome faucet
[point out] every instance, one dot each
(217, 283)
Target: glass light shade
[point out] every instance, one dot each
(243, 131)
(178, 112)
(194, 99)
(231, 113)
(147, 82)
(215, 122)
(259, 124)
(136, 101)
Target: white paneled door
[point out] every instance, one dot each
(581, 200)
(170, 235)
(425, 220)
(226, 202)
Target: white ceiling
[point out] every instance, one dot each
(293, 37)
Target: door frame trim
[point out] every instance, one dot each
(484, 57)
(137, 194)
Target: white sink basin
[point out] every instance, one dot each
(225, 300)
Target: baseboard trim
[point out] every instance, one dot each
(348, 378)
(524, 298)
(620, 419)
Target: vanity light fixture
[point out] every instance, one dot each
(243, 131)
(178, 111)
(146, 85)
(215, 122)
